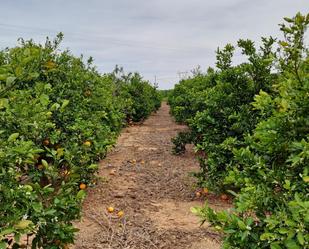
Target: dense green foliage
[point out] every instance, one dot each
(217, 105)
(251, 122)
(58, 117)
(141, 98)
(165, 93)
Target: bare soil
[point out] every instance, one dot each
(153, 188)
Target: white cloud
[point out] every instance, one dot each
(155, 37)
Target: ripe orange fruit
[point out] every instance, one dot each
(110, 209)
(87, 93)
(40, 167)
(87, 143)
(120, 214)
(82, 186)
(50, 65)
(66, 172)
(66, 246)
(198, 194)
(205, 191)
(57, 242)
(224, 197)
(46, 142)
(112, 172)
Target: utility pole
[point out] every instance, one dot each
(155, 83)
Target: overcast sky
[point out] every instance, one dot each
(153, 37)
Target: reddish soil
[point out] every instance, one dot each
(152, 187)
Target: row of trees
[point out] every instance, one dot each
(250, 124)
(58, 117)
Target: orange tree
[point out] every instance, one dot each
(141, 98)
(253, 131)
(187, 98)
(58, 117)
(219, 112)
(271, 171)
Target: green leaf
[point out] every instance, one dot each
(64, 104)
(10, 80)
(233, 193)
(290, 223)
(267, 236)
(4, 103)
(13, 137)
(27, 52)
(44, 99)
(244, 235)
(241, 225)
(45, 164)
(93, 166)
(291, 244)
(287, 185)
(34, 75)
(283, 230)
(288, 19)
(81, 194)
(50, 212)
(222, 216)
(17, 237)
(195, 210)
(275, 246)
(37, 207)
(19, 71)
(54, 107)
(3, 245)
(300, 238)
(283, 43)
(60, 152)
(306, 179)
(23, 224)
(7, 231)
(28, 188)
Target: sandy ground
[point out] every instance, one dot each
(152, 187)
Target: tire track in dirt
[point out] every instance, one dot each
(153, 187)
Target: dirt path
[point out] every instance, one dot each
(154, 190)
